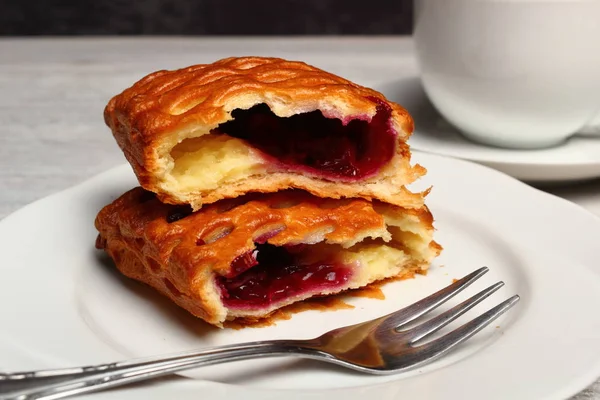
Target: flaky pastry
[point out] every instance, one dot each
(247, 257)
(208, 132)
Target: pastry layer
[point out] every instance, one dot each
(262, 124)
(249, 256)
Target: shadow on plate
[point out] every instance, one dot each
(282, 367)
(159, 303)
(583, 187)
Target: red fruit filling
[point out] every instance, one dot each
(328, 147)
(272, 274)
(244, 262)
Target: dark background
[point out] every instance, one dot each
(205, 17)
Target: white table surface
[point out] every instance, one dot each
(53, 91)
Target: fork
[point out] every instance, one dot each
(384, 345)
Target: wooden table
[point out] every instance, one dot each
(53, 91)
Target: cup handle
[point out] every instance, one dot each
(592, 128)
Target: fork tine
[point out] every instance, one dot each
(431, 302)
(434, 324)
(438, 347)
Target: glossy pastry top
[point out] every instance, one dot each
(262, 117)
(204, 95)
(214, 236)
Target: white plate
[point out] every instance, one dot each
(576, 159)
(61, 305)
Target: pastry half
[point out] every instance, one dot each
(208, 132)
(247, 257)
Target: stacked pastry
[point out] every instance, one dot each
(264, 182)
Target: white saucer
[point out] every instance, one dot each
(62, 304)
(576, 159)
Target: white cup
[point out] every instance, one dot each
(512, 73)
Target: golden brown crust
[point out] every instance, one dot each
(166, 107)
(180, 258)
(165, 100)
(295, 215)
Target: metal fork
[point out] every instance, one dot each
(380, 346)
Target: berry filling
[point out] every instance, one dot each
(312, 143)
(272, 274)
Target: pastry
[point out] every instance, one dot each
(244, 258)
(214, 131)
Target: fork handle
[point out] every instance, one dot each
(60, 383)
